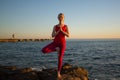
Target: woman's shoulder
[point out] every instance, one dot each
(65, 25)
(56, 25)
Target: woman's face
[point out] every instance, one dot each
(61, 17)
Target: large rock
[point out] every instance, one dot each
(68, 72)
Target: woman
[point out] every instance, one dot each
(59, 43)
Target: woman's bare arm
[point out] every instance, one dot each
(65, 33)
(54, 33)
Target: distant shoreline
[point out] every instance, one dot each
(22, 40)
(36, 40)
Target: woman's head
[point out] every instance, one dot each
(61, 17)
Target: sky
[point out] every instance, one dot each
(36, 18)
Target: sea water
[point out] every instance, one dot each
(101, 57)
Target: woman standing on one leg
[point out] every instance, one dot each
(59, 43)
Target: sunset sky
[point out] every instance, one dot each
(36, 18)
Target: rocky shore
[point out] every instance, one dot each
(68, 72)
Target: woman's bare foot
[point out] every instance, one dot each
(59, 76)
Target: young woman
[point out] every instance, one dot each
(59, 43)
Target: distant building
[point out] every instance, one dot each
(13, 36)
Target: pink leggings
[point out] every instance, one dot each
(52, 47)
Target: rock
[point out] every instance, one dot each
(48, 74)
(26, 76)
(76, 73)
(68, 72)
(25, 70)
(66, 66)
(8, 67)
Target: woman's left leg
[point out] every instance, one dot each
(60, 57)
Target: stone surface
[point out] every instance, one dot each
(68, 72)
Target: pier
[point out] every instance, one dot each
(22, 40)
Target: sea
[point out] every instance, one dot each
(100, 57)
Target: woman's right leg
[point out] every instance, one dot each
(49, 48)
